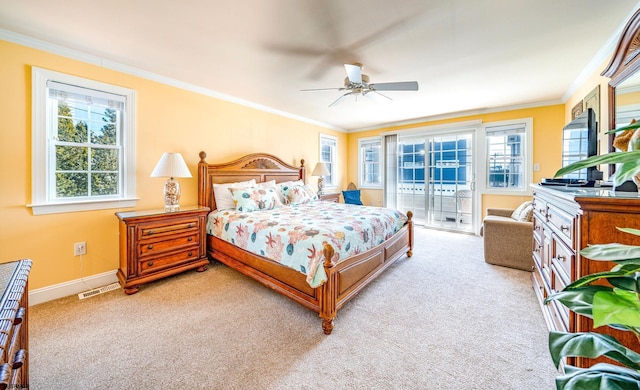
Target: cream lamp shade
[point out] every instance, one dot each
(320, 170)
(171, 165)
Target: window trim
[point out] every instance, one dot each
(333, 183)
(528, 158)
(40, 161)
(362, 142)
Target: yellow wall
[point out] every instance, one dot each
(168, 119)
(172, 119)
(547, 143)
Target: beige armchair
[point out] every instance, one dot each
(507, 240)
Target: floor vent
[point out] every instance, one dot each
(100, 290)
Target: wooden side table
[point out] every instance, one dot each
(155, 244)
(330, 197)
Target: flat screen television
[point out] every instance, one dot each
(579, 141)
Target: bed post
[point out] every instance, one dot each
(410, 226)
(202, 181)
(329, 293)
(302, 171)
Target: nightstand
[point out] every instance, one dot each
(155, 244)
(330, 197)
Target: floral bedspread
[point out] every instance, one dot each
(294, 235)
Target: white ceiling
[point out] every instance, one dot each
(467, 55)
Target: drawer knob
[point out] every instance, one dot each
(564, 227)
(150, 263)
(150, 232)
(190, 253)
(190, 239)
(190, 225)
(150, 246)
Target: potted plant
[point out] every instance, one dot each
(615, 304)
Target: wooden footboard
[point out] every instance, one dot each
(344, 279)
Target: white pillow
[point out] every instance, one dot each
(222, 195)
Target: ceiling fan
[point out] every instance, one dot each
(357, 83)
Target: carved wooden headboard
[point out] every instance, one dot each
(259, 166)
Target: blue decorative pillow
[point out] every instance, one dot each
(352, 197)
(255, 198)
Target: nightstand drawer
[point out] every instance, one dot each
(151, 247)
(162, 228)
(153, 264)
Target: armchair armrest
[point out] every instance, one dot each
(500, 212)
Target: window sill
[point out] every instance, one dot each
(71, 207)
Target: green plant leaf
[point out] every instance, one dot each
(588, 279)
(609, 158)
(624, 282)
(625, 171)
(590, 345)
(635, 232)
(599, 376)
(579, 300)
(611, 252)
(630, 126)
(617, 307)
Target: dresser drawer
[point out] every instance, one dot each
(563, 224)
(153, 264)
(158, 245)
(562, 259)
(160, 228)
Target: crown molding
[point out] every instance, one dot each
(48, 47)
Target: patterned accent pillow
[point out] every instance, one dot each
(299, 194)
(524, 212)
(255, 198)
(284, 188)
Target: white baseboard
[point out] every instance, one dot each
(72, 287)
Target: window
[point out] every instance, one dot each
(328, 148)
(83, 154)
(370, 162)
(508, 156)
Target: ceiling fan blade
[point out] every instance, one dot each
(324, 89)
(400, 86)
(338, 100)
(354, 73)
(376, 96)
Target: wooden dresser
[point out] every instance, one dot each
(155, 244)
(14, 329)
(566, 220)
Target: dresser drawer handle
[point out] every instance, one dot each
(190, 253)
(150, 232)
(150, 246)
(190, 239)
(150, 263)
(190, 225)
(564, 227)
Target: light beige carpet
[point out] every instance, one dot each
(443, 319)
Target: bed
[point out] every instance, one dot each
(343, 279)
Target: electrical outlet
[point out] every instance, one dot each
(80, 248)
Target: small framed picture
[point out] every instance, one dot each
(576, 110)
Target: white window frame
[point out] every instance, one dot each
(362, 144)
(42, 162)
(325, 139)
(483, 157)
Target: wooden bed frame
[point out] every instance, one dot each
(344, 279)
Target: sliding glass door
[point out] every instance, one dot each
(436, 179)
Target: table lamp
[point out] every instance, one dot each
(321, 171)
(171, 165)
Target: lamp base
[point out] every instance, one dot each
(320, 185)
(171, 195)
